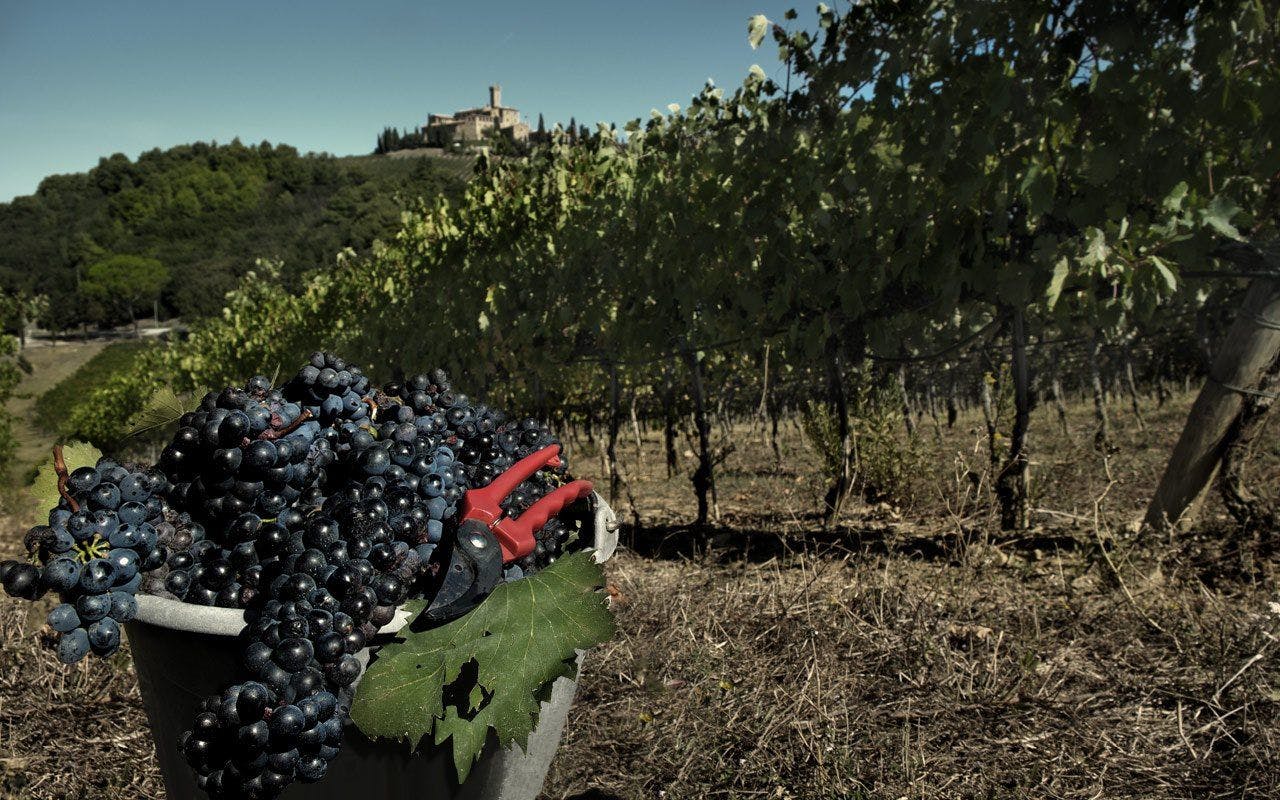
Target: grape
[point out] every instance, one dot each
(124, 562)
(104, 636)
(286, 723)
(293, 654)
(177, 583)
(123, 606)
(23, 581)
(345, 671)
(62, 574)
(253, 738)
(83, 480)
(312, 769)
(63, 618)
(93, 607)
(105, 496)
(97, 576)
(93, 557)
(73, 646)
(243, 450)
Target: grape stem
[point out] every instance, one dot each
(373, 408)
(60, 468)
(276, 433)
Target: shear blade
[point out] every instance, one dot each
(473, 571)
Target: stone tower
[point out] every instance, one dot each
(495, 96)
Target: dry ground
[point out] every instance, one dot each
(913, 653)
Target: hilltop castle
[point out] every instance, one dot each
(475, 124)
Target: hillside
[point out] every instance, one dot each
(206, 212)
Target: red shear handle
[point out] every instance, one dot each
(486, 504)
(516, 536)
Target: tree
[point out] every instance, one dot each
(126, 281)
(12, 366)
(20, 309)
(540, 135)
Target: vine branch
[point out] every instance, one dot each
(272, 434)
(60, 468)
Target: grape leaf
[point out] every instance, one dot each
(163, 408)
(1218, 216)
(521, 638)
(757, 26)
(44, 489)
(1061, 269)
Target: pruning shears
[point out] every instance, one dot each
(486, 539)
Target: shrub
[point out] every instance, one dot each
(883, 457)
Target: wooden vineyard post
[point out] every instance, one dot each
(704, 475)
(838, 493)
(1013, 484)
(1061, 407)
(611, 444)
(1102, 434)
(1251, 346)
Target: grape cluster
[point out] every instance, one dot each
(100, 539)
(243, 744)
(318, 507)
(329, 389)
(245, 455)
(299, 652)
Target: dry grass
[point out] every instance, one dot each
(1004, 676)
(68, 732)
(913, 653)
(918, 653)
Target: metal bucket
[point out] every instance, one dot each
(183, 653)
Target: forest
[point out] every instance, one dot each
(205, 212)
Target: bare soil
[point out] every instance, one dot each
(913, 652)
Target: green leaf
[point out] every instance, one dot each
(1173, 200)
(163, 408)
(1096, 251)
(1162, 269)
(44, 489)
(1218, 216)
(1061, 269)
(1037, 188)
(757, 26)
(522, 637)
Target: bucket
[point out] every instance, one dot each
(183, 653)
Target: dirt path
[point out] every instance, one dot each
(49, 366)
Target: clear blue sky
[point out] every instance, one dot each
(81, 80)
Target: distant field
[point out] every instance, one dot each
(50, 365)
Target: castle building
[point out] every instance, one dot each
(476, 124)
